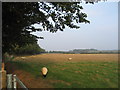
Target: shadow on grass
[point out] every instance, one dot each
(11, 66)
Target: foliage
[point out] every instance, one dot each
(18, 19)
(8, 57)
(28, 49)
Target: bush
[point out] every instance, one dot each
(28, 49)
(8, 57)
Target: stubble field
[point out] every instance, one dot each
(82, 71)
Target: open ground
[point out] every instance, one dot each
(81, 71)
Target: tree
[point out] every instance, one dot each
(19, 18)
(29, 49)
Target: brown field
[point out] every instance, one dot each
(64, 57)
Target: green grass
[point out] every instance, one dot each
(77, 74)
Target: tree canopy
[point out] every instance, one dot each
(18, 19)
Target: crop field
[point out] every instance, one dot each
(82, 71)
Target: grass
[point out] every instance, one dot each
(80, 74)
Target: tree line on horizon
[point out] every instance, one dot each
(87, 51)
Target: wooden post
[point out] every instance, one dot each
(3, 66)
(14, 82)
(9, 81)
(3, 78)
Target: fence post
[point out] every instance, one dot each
(14, 82)
(9, 81)
(3, 78)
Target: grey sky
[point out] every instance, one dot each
(101, 33)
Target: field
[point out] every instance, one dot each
(82, 71)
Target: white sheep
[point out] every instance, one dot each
(69, 58)
(44, 71)
(23, 57)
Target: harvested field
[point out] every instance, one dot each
(81, 71)
(75, 57)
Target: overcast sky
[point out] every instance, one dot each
(101, 33)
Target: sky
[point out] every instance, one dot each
(101, 33)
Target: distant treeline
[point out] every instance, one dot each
(87, 51)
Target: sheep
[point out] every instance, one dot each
(44, 71)
(23, 57)
(69, 58)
